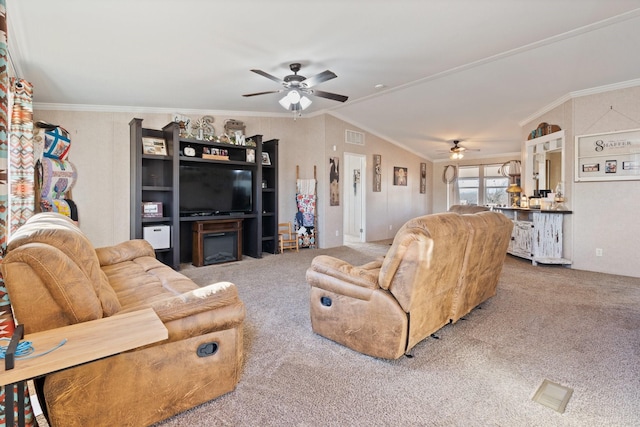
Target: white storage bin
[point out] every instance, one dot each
(158, 235)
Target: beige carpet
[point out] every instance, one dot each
(574, 328)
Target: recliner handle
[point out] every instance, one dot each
(207, 349)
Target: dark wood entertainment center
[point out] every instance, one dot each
(156, 178)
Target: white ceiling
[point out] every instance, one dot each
(453, 69)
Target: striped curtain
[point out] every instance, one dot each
(17, 180)
(21, 161)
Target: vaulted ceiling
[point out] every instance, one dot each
(471, 70)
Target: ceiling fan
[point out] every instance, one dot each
(457, 152)
(298, 86)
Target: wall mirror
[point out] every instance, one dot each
(544, 163)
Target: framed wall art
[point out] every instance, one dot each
(334, 181)
(400, 176)
(377, 173)
(613, 156)
(423, 178)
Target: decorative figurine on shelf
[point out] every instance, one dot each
(202, 129)
(559, 198)
(183, 122)
(232, 127)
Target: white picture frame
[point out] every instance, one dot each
(610, 156)
(154, 146)
(266, 160)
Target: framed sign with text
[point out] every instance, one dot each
(613, 156)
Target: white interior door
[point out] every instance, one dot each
(354, 197)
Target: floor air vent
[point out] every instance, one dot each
(553, 395)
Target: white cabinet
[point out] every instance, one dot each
(537, 235)
(521, 239)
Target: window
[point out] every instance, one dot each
(482, 185)
(469, 185)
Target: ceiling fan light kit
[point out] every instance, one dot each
(298, 86)
(457, 152)
(292, 101)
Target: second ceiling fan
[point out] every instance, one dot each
(298, 86)
(457, 151)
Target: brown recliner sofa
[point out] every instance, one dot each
(54, 277)
(467, 209)
(439, 267)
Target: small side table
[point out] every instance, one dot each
(86, 342)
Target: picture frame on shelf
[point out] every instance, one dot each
(251, 155)
(266, 160)
(154, 146)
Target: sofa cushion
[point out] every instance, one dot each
(58, 231)
(55, 287)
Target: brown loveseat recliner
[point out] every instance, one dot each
(55, 278)
(438, 268)
(467, 209)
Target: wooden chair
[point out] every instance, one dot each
(287, 238)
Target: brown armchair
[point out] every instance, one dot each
(385, 307)
(55, 278)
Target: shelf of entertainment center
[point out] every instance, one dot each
(220, 162)
(232, 152)
(156, 188)
(198, 217)
(156, 219)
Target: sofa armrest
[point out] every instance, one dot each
(207, 298)
(200, 311)
(335, 275)
(365, 275)
(125, 251)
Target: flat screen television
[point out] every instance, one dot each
(213, 189)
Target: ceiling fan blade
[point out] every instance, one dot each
(269, 76)
(262, 93)
(319, 78)
(329, 95)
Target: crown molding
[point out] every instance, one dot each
(52, 106)
(577, 94)
(49, 106)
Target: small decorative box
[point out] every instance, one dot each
(151, 209)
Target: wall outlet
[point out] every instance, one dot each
(337, 233)
(598, 251)
(390, 227)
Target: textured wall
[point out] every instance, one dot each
(604, 213)
(100, 152)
